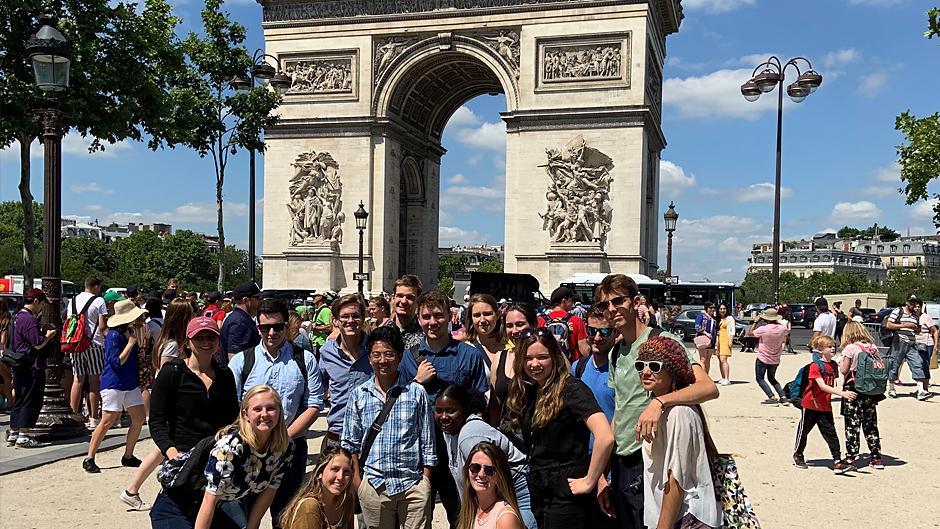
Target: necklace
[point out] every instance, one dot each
(482, 521)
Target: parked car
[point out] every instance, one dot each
(683, 324)
(869, 316)
(803, 314)
(14, 301)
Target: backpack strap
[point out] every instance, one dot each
(247, 366)
(85, 310)
(298, 353)
(582, 365)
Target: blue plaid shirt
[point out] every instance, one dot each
(404, 445)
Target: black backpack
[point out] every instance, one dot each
(298, 358)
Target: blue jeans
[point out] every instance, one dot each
(290, 484)
(770, 370)
(523, 500)
(918, 360)
(172, 513)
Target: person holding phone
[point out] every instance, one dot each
(28, 380)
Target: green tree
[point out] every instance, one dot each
(83, 256)
(122, 66)
(757, 287)
(492, 265)
(235, 262)
(140, 262)
(884, 233)
(12, 235)
(219, 120)
(447, 266)
(186, 257)
(919, 156)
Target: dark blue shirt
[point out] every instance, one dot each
(457, 363)
(116, 375)
(239, 333)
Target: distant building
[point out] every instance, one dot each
(904, 253)
(823, 253)
(474, 256)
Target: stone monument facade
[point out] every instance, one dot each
(374, 84)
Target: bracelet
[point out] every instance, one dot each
(661, 403)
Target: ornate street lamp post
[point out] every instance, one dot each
(50, 54)
(671, 218)
(264, 73)
(361, 216)
(772, 75)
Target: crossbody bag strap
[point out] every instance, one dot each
(376, 427)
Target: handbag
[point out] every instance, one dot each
(186, 472)
(737, 511)
(702, 341)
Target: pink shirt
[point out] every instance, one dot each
(772, 337)
(925, 336)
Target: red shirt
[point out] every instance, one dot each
(217, 313)
(815, 398)
(576, 328)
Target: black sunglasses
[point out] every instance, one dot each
(475, 468)
(616, 302)
(266, 327)
(539, 332)
(605, 332)
(655, 366)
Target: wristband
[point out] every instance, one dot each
(661, 403)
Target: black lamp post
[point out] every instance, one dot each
(280, 81)
(50, 54)
(671, 218)
(361, 216)
(772, 75)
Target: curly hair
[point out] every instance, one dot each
(673, 356)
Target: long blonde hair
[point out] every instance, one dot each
(313, 484)
(855, 332)
(548, 399)
(504, 488)
(178, 314)
(278, 441)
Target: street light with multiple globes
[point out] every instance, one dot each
(772, 74)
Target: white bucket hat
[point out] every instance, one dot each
(125, 312)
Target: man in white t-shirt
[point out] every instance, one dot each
(825, 323)
(89, 364)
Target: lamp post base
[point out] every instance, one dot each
(56, 420)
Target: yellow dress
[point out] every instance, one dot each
(724, 341)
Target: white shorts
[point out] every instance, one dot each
(117, 400)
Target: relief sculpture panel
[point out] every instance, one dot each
(323, 75)
(596, 61)
(316, 200)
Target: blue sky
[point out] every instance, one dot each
(838, 145)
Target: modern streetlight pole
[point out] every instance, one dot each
(50, 54)
(671, 218)
(361, 217)
(772, 76)
(265, 74)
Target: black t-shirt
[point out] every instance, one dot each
(564, 442)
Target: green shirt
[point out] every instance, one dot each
(630, 399)
(324, 317)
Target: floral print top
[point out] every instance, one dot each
(235, 469)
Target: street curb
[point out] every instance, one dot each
(114, 439)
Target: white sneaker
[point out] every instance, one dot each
(92, 424)
(923, 395)
(724, 382)
(134, 502)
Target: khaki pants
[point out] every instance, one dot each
(409, 509)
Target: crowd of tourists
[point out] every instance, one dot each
(513, 416)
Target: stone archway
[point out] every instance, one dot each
(375, 82)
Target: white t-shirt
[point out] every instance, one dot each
(97, 308)
(826, 324)
(925, 337)
(170, 349)
(681, 449)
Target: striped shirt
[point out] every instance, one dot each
(403, 446)
(905, 335)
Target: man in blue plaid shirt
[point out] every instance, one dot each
(397, 469)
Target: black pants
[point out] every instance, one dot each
(30, 387)
(290, 484)
(442, 482)
(626, 490)
(553, 504)
(827, 428)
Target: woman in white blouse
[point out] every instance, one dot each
(679, 492)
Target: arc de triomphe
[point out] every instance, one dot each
(374, 84)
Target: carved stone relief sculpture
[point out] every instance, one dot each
(387, 49)
(582, 62)
(316, 200)
(578, 193)
(506, 43)
(321, 76)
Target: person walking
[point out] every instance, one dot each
(772, 337)
(925, 344)
(905, 322)
(119, 381)
(861, 413)
(726, 329)
(88, 365)
(30, 344)
(6, 376)
(706, 331)
(489, 501)
(825, 322)
(239, 331)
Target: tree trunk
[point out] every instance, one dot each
(218, 201)
(29, 221)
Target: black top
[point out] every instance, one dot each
(501, 384)
(564, 443)
(182, 411)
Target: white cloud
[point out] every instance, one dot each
(872, 84)
(763, 192)
(94, 208)
(464, 117)
(191, 213)
(889, 173)
(672, 178)
(488, 136)
(73, 144)
(751, 60)
(840, 57)
(875, 3)
(923, 210)
(880, 191)
(862, 210)
(457, 179)
(475, 191)
(451, 235)
(717, 6)
(717, 94)
(90, 187)
(466, 198)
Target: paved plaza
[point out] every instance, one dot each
(59, 495)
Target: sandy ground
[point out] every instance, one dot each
(906, 494)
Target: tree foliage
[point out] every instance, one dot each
(491, 265)
(12, 222)
(884, 233)
(900, 284)
(919, 156)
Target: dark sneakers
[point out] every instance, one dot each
(89, 465)
(877, 463)
(130, 461)
(798, 461)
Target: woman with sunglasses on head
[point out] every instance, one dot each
(557, 414)
(324, 501)
(679, 489)
(489, 500)
(458, 411)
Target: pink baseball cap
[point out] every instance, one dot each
(197, 325)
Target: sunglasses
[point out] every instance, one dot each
(539, 332)
(266, 327)
(475, 468)
(605, 332)
(613, 302)
(655, 366)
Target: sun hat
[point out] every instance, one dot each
(125, 311)
(770, 315)
(673, 356)
(197, 325)
(113, 296)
